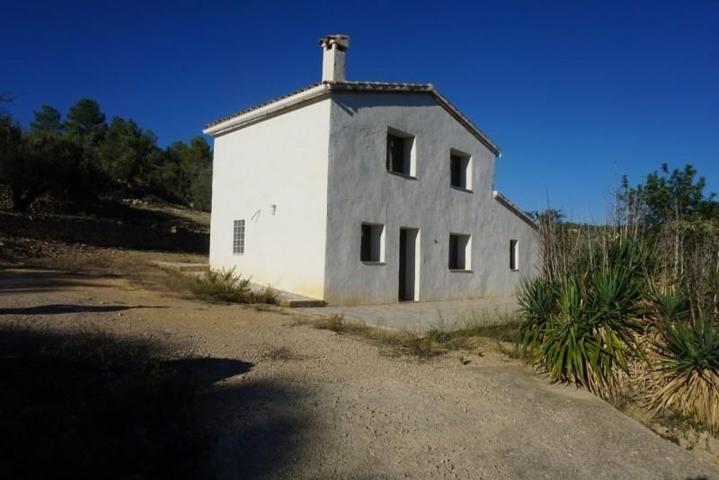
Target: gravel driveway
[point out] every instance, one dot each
(315, 404)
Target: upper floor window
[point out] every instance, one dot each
(400, 153)
(460, 168)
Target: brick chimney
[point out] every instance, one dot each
(334, 57)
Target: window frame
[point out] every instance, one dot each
(376, 237)
(409, 161)
(465, 170)
(466, 239)
(513, 255)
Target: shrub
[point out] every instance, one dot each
(686, 375)
(582, 330)
(227, 286)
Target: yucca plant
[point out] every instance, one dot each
(669, 304)
(686, 374)
(583, 329)
(537, 300)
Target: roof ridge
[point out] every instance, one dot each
(365, 85)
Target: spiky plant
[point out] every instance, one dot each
(537, 299)
(669, 304)
(583, 329)
(686, 375)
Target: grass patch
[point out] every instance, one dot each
(228, 286)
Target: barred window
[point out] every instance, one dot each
(238, 238)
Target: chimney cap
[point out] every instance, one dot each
(342, 41)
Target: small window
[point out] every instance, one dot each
(514, 255)
(238, 238)
(460, 171)
(400, 153)
(459, 252)
(372, 244)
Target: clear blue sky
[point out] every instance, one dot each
(575, 93)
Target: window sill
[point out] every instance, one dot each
(403, 175)
(373, 263)
(461, 189)
(459, 270)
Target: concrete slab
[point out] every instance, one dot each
(420, 317)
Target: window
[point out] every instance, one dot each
(372, 244)
(460, 170)
(514, 255)
(459, 252)
(400, 153)
(238, 237)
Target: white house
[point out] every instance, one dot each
(364, 192)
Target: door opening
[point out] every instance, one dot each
(408, 264)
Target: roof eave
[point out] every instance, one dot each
(303, 96)
(509, 205)
(273, 107)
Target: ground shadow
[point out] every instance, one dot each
(58, 309)
(258, 430)
(91, 405)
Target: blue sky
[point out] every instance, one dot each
(575, 93)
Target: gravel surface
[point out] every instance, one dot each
(315, 404)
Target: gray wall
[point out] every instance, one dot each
(361, 190)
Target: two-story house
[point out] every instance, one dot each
(364, 192)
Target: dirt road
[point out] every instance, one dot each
(315, 404)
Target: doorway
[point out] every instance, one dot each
(408, 264)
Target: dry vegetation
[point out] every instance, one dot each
(630, 310)
(476, 337)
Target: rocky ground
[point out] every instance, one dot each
(310, 403)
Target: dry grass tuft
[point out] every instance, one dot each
(228, 286)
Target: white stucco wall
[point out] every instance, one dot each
(361, 190)
(273, 174)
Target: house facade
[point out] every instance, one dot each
(364, 192)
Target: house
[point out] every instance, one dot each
(364, 192)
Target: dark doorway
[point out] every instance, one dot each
(408, 265)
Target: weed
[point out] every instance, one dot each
(228, 286)
(280, 354)
(334, 323)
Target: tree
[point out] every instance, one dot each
(47, 120)
(667, 196)
(127, 152)
(33, 164)
(85, 123)
(10, 147)
(185, 174)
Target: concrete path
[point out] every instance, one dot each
(422, 316)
